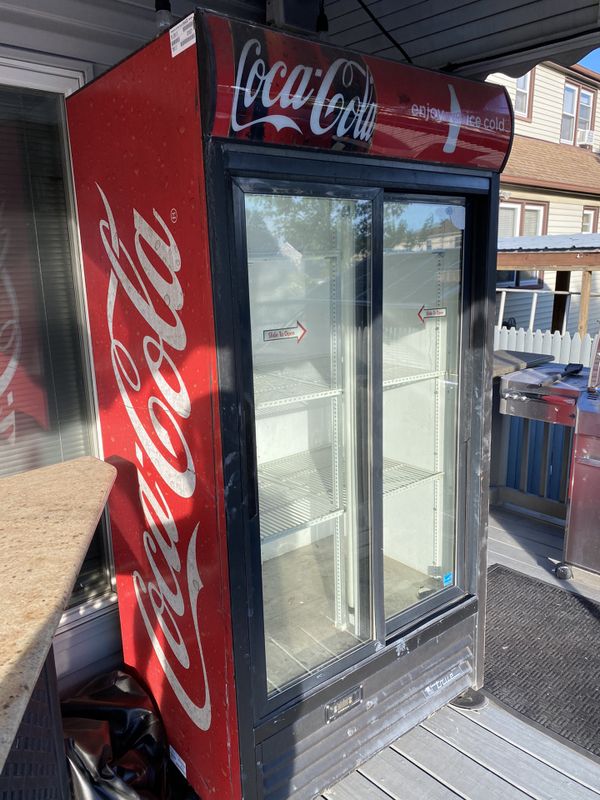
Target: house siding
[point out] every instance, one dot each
(546, 113)
(564, 211)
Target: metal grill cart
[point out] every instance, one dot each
(289, 261)
(568, 394)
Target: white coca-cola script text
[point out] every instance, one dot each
(331, 111)
(157, 297)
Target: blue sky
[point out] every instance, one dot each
(592, 61)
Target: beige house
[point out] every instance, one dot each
(551, 183)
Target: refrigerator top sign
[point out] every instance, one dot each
(271, 87)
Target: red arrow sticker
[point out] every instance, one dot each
(428, 313)
(297, 331)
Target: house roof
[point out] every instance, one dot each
(562, 167)
(553, 242)
(573, 253)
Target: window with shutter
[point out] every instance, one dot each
(44, 408)
(508, 220)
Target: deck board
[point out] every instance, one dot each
(448, 764)
(545, 748)
(532, 528)
(401, 778)
(535, 778)
(355, 787)
(490, 754)
(514, 540)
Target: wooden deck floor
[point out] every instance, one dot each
(533, 546)
(473, 755)
(492, 754)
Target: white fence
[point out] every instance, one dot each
(565, 348)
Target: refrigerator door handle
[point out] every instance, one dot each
(250, 458)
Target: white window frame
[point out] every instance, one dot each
(521, 208)
(580, 91)
(526, 91)
(517, 207)
(534, 207)
(53, 75)
(537, 278)
(591, 214)
(563, 113)
(579, 127)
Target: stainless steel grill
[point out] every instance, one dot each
(559, 394)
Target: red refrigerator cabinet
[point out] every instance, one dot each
(289, 259)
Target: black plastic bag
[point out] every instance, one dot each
(115, 741)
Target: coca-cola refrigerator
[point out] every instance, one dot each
(289, 259)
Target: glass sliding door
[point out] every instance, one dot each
(309, 267)
(422, 279)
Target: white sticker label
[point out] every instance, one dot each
(183, 35)
(430, 313)
(178, 761)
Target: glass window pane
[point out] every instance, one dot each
(522, 94)
(308, 272)
(505, 277)
(43, 411)
(569, 100)
(587, 223)
(421, 324)
(584, 118)
(521, 102)
(507, 222)
(567, 128)
(528, 278)
(532, 221)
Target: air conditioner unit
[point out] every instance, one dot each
(585, 138)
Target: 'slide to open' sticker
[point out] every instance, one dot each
(297, 331)
(428, 313)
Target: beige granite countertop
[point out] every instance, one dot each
(47, 520)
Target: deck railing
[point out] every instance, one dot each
(564, 347)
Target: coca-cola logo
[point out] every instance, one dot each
(150, 287)
(10, 340)
(340, 98)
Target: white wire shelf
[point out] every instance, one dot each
(277, 384)
(398, 476)
(395, 374)
(297, 491)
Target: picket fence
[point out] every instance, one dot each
(531, 459)
(565, 348)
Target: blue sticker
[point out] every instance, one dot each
(448, 579)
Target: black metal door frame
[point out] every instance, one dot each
(227, 168)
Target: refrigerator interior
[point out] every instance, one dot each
(422, 266)
(308, 273)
